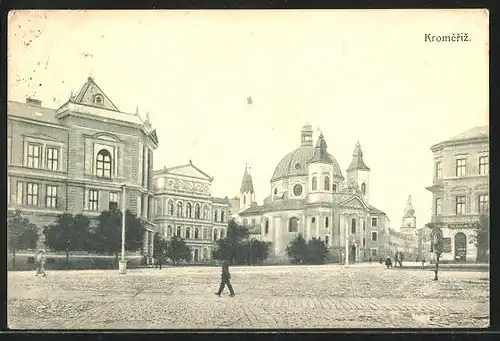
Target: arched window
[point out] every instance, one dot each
(178, 231)
(169, 231)
(327, 183)
(162, 233)
(253, 222)
(266, 230)
(197, 211)
(205, 234)
(327, 240)
(363, 188)
(222, 234)
(222, 213)
(196, 233)
(364, 227)
(205, 212)
(313, 220)
(188, 233)
(245, 222)
(326, 222)
(215, 215)
(314, 184)
(293, 225)
(179, 209)
(216, 235)
(244, 199)
(275, 191)
(188, 210)
(103, 164)
(353, 225)
(171, 207)
(334, 188)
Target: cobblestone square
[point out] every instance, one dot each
(276, 297)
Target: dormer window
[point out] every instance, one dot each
(98, 100)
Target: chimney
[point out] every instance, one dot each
(34, 102)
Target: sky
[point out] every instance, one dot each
(352, 74)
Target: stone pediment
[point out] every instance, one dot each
(354, 203)
(189, 171)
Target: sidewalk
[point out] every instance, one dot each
(448, 266)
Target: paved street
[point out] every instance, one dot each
(327, 296)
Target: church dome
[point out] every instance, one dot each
(296, 163)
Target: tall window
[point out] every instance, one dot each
(253, 222)
(374, 236)
(113, 201)
(178, 231)
(216, 235)
(205, 234)
(51, 196)
(244, 199)
(20, 188)
(32, 194)
(197, 211)
(364, 225)
(222, 213)
(313, 221)
(188, 233)
(52, 158)
(327, 183)
(353, 225)
(334, 188)
(196, 233)
(222, 234)
(169, 231)
(483, 165)
(266, 229)
(327, 240)
(179, 209)
(461, 165)
(483, 203)
(245, 222)
(215, 215)
(314, 183)
(188, 210)
(103, 165)
(326, 222)
(34, 155)
(374, 222)
(293, 225)
(439, 171)
(363, 188)
(93, 200)
(438, 206)
(170, 207)
(460, 204)
(205, 212)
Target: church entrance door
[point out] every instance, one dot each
(352, 254)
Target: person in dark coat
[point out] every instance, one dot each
(401, 257)
(225, 280)
(396, 259)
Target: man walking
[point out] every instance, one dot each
(225, 280)
(396, 259)
(40, 259)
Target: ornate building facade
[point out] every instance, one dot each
(460, 190)
(310, 195)
(185, 207)
(79, 158)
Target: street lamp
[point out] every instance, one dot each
(347, 243)
(122, 265)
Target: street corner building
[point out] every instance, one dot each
(185, 208)
(460, 191)
(79, 158)
(310, 195)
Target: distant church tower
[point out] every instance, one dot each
(409, 221)
(247, 194)
(358, 173)
(320, 173)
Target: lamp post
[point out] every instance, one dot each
(122, 265)
(346, 244)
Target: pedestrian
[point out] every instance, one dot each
(40, 260)
(401, 259)
(225, 280)
(396, 259)
(159, 261)
(370, 260)
(423, 263)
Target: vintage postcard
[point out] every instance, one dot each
(260, 169)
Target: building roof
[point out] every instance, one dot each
(357, 162)
(246, 182)
(374, 210)
(188, 170)
(278, 205)
(479, 133)
(87, 93)
(32, 112)
(220, 200)
(320, 152)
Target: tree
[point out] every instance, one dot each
(436, 245)
(482, 237)
(317, 252)
(21, 234)
(297, 250)
(107, 236)
(259, 251)
(69, 233)
(232, 248)
(160, 247)
(178, 250)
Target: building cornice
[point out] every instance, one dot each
(457, 143)
(45, 124)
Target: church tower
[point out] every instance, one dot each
(247, 194)
(409, 221)
(320, 174)
(358, 173)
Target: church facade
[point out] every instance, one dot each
(310, 196)
(185, 207)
